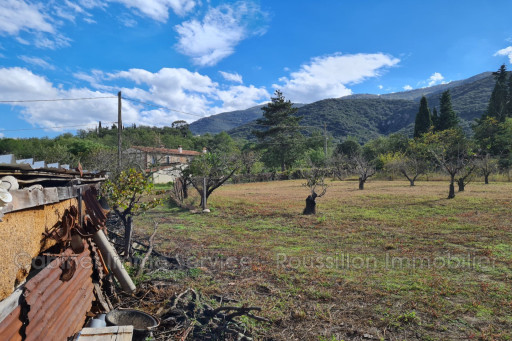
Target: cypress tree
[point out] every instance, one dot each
(447, 117)
(498, 102)
(423, 119)
(435, 119)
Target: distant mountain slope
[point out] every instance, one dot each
(225, 121)
(361, 118)
(365, 116)
(369, 116)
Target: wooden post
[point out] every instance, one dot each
(119, 129)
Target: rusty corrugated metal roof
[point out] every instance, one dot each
(58, 308)
(11, 325)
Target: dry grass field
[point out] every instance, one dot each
(391, 262)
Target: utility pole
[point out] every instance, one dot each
(119, 130)
(325, 142)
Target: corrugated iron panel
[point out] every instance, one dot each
(58, 309)
(11, 325)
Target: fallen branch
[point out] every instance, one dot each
(149, 251)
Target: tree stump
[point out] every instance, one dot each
(310, 204)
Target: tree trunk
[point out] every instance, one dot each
(128, 232)
(461, 184)
(203, 201)
(361, 183)
(411, 181)
(310, 204)
(184, 182)
(451, 194)
(486, 178)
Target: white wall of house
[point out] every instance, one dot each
(166, 175)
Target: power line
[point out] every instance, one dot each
(56, 99)
(131, 100)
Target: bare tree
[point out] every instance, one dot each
(338, 165)
(466, 175)
(315, 181)
(487, 165)
(210, 171)
(360, 165)
(411, 164)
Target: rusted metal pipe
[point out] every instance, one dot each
(113, 261)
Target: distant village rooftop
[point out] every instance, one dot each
(178, 151)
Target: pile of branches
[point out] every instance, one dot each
(189, 316)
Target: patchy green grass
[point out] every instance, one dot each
(392, 261)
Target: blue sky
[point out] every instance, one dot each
(204, 57)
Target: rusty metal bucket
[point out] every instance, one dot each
(143, 323)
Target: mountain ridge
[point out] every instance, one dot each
(366, 116)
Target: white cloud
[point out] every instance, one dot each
(38, 62)
(233, 77)
(17, 15)
(40, 21)
(436, 78)
(177, 89)
(507, 51)
(187, 91)
(381, 87)
(159, 9)
(20, 83)
(215, 37)
(407, 87)
(241, 97)
(328, 76)
(128, 22)
(90, 21)
(1, 135)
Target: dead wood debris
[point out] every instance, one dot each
(189, 315)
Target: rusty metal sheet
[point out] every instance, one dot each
(11, 325)
(96, 213)
(58, 308)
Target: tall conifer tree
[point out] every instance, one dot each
(423, 119)
(509, 99)
(447, 117)
(435, 119)
(281, 137)
(497, 107)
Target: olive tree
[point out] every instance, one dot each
(129, 194)
(452, 151)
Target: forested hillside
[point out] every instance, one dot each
(368, 116)
(226, 121)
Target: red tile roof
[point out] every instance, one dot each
(166, 151)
